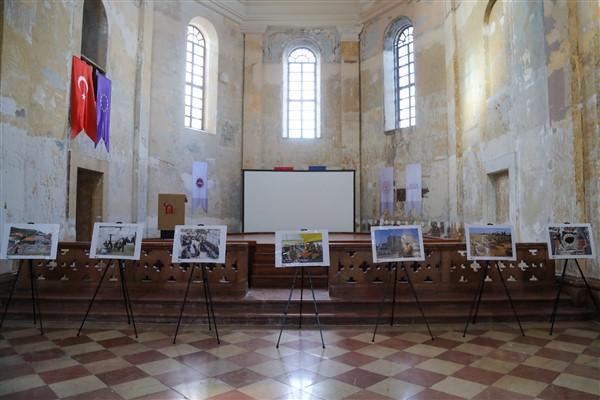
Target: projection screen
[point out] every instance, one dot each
(288, 200)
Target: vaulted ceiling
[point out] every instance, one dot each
(257, 14)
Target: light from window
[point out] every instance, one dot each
(195, 79)
(302, 95)
(404, 74)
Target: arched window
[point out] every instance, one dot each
(195, 79)
(404, 78)
(399, 76)
(94, 34)
(302, 95)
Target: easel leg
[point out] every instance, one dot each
(509, 299)
(315, 304)
(209, 297)
(417, 299)
(477, 298)
(12, 289)
(126, 296)
(560, 283)
(394, 295)
(301, 298)
(184, 301)
(387, 282)
(287, 307)
(93, 298)
(35, 299)
(587, 287)
(205, 286)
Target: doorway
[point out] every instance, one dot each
(90, 186)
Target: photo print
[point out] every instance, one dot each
(117, 241)
(30, 241)
(202, 244)
(570, 241)
(490, 242)
(302, 248)
(397, 243)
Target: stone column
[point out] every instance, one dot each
(350, 78)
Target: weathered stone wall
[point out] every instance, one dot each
(427, 142)
(172, 148)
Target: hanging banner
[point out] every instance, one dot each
(386, 193)
(83, 102)
(413, 188)
(199, 185)
(103, 94)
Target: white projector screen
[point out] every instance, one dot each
(288, 200)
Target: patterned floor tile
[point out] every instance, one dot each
(492, 361)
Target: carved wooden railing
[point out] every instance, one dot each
(445, 269)
(154, 272)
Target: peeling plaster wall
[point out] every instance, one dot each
(38, 154)
(427, 142)
(172, 148)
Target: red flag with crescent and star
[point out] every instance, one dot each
(83, 102)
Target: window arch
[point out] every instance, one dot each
(201, 67)
(195, 77)
(94, 34)
(399, 76)
(301, 106)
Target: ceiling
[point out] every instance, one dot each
(258, 14)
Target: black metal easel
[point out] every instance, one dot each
(35, 299)
(207, 298)
(126, 298)
(394, 267)
(562, 277)
(285, 313)
(477, 298)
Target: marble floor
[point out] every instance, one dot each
(108, 361)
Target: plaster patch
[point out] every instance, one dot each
(39, 95)
(527, 70)
(54, 79)
(8, 107)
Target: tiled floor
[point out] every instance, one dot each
(107, 361)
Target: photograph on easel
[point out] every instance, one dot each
(490, 242)
(570, 241)
(397, 243)
(30, 241)
(302, 248)
(116, 241)
(202, 244)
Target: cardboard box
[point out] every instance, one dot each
(171, 210)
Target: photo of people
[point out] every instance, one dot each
(490, 242)
(570, 241)
(118, 241)
(397, 243)
(301, 248)
(30, 241)
(199, 243)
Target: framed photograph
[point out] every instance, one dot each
(117, 241)
(397, 243)
(302, 248)
(29, 241)
(490, 242)
(202, 244)
(570, 241)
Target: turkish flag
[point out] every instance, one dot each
(83, 102)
